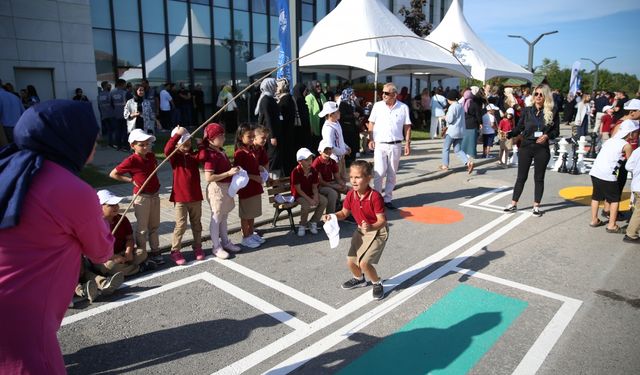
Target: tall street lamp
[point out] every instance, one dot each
(531, 45)
(597, 64)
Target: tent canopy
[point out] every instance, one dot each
(374, 33)
(485, 62)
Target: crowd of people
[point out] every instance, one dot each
(311, 137)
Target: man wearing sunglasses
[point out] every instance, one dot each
(389, 124)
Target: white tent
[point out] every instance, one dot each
(485, 62)
(392, 47)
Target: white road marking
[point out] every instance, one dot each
(238, 293)
(277, 285)
(496, 197)
(551, 333)
(369, 317)
(472, 201)
(285, 342)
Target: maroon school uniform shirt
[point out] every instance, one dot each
(139, 168)
(243, 157)
(216, 161)
(186, 173)
(306, 182)
(124, 230)
(366, 208)
(326, 168)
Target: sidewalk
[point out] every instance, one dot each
(422, 165)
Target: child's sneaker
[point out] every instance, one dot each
(220, 253)
(148, 265)
(177, 258)
(230, 246)
(199, 253)
(258, 238)
(313, 228)
(378, 291)
(301, 230)
(250, 242)
(112, 283)
(88, 290)
(354, 283)
(157, 258)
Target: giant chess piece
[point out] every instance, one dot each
(563, 167)
(592, 148)
(574, 166)
(556, 149)
(562, 151)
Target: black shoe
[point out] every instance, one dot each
(390, 206)
(354, 283)
(157, 258)
(628, 239)
(148, 265)
(536, 212)
(511, 209)
(378, 291)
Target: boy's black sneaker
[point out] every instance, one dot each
(354, 283)
(378, 291)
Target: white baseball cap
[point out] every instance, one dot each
(511, 111)
(606, 108)
(139, 135)
(328, 108)
(184, 137)
(303, 154)
(107, 197)
(632, 105)
(324, 144)
(492, 107)
(627, 127)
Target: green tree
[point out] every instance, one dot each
(415, 18)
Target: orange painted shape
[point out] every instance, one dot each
(431, 215)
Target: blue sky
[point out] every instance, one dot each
(588, 28)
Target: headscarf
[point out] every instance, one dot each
(298, 90)
(467, 96)
(474, 89)
(282, 89)
(61, 131)
(347, 96)
(267, 88)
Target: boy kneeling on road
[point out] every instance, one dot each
(368, 241)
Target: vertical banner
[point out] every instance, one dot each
(285, 40)
(574, 82)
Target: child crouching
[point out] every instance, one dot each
(368, 241)
(304, 188)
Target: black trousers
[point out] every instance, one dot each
(540, 155)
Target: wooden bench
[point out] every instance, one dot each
(281, 186)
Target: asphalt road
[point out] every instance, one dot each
(544, 294)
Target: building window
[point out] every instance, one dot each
(128, 48)
(259, 28)
(306, 10)
(179, 54)
(223, 61)
(259, 49)
(241, 56)
(178, 22)
(100, 14)
(442, 10)
(200, 21)
(221, 23)
(102, 50)
(259, 6)
(125, 15)
(241, 26)
(221, 3)
(321, 8)
(241, 4)
(156, 58)
(275, 39)
(431, 8)
(201, 53)
(152, 16)
(333, 4)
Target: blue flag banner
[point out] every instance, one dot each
(285, 40)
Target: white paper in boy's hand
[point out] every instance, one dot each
(264, 175)
(332, 229)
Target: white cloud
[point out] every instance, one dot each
(486, 15)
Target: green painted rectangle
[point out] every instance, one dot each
(448, 338)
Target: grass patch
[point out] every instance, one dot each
(96, 178)
(419, 135)
(161, 140)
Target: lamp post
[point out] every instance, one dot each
(597, 64)
(531, 45)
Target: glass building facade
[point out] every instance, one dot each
(193, 41)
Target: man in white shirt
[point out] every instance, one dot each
(166, 106)
(389, 123)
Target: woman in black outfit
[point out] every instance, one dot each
(269, 116)
(286, 105)
(302, 127)
(538, 124)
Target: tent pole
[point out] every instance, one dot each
(375, 80)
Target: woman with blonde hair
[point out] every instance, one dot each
(538, 124)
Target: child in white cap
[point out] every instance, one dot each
(330, 182)
(304, 188)
(185, 193)
(135, 169)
